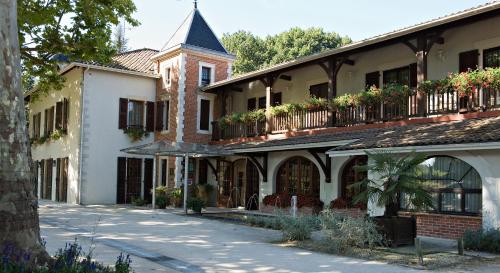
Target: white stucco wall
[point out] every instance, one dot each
(442, 59)
(102, 140)
(68, 145)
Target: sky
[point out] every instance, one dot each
(357, 19)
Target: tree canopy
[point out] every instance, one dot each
(76, 29)
(253, 52)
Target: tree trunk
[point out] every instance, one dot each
(19, 227)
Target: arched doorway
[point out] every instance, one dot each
(351, 176)
(251, 187)
(298, 175)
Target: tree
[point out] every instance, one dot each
(18, 206)
(253, 52)
(248, 48)
(391, 176)
(120, 41)
(76, 29)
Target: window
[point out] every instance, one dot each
(206, 75)
(276, 99)
(252, 104)
(372, 79)
(163, 181)
(162, 115)
(168, 76)
(491, 57)
(454, 185)
(319, 90)
(204, 115)
(298, 175)
(468, 60)
(202, 171)
(351, 176)
(262, 103)
(49, 121)
(36, 125)
(62, 108)
(224, 177)
(129, 179)
(135, 114)
(406, 75)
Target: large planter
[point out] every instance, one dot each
(397, 230)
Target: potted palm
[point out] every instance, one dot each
(389, 176)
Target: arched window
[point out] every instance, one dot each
(454, 185)
(350, 176)
(298, 175)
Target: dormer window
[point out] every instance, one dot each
(207, 74)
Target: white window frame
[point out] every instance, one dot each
(212, 72)
(198, 113)
(165, 114)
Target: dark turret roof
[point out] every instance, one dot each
(194, 31)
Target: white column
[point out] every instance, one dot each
(154, 181)
(186, 169)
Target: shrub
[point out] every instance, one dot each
(176, 196)
(161, 201)
(196, 204)
(296, 228)
(71, 259)
(137, 201)
(483, 240)
(264, 221)
(135, 133)
(346, 233)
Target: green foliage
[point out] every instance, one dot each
(137, 201)
(483, 240)
(393, 174)
(253, 53)
(176, 196)
(296, 228)
(57, 134)
(196, 204)
(119, 40)
(246, 117)
(135, 133)
(161, 201)
(270, 222)
(345, 233)
(71, 259)
(78, 29)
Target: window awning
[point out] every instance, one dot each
(177, 149)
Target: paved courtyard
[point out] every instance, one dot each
(165, 242)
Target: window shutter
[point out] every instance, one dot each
(122, 115)
(159, 115)
(252, 104)
(204, 115)
(38, 124)
(150, 116)
(65, 114)
(59, 115)
(51, 119)
(372, 78)
(468, 60)
(46, 122)
(167, 114)
(42, 178)
(121, 180)
(413, 75)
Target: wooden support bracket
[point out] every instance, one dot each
(261, 167)
(325, 167)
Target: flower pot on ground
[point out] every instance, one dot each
(392, 176)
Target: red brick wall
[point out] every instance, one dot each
(445, 226)
(191, 103)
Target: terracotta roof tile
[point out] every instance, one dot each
(138, 60)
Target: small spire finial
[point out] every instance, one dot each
(195, 4)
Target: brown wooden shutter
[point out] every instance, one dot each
(148, 179)
(51, 119)
(48, 178)
(65, 114)
(122, 114)
(252, 104)
(276, 99)
(59, 115)
(42, 178)
(37, 124)
(46, 122)
(159, 115)
(134, 179)
(468, 60)
(121, 177)
(372, 78)
(204, 114)
(413, 75)
(163, 181)
(150, 116)
(58, 179)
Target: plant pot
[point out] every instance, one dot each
(397, 230)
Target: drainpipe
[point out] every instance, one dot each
(80, 152)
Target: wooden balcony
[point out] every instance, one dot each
(435, 104)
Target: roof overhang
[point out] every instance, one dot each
(303, 146)
(421, 149)
(165, 52)
(360, 44)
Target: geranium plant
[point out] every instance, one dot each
(135, 133)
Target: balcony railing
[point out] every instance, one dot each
(353, 115)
